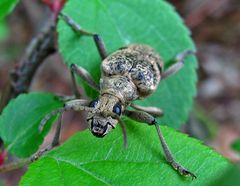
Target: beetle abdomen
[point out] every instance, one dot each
(140, 63)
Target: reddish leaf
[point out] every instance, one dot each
(55, 5)
(2, 157)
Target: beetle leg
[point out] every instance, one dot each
(85, 75)
(144, 117)
(74, 85)
(64, 98)
(157, 112)
(54, 143)
(74, 105)
(178, 65)
(77, 28)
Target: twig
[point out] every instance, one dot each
(20, 78)
(14, 165)
(23, 162)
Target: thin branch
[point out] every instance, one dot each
(14, 165)
(23, 162)
(21, 77)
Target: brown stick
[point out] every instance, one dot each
(20, 78)
(14, 165)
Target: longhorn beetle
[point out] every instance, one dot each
(131, 73)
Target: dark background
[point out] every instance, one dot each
(215, 26)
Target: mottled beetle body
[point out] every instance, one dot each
(130, 73)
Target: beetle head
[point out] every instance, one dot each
(100, 120)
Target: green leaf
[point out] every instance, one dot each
(236, 145)
(3, 30)
(6, 6)
(20, 120)
(231, 177)
(123, 22)
(87, 160)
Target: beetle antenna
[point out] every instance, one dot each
(123, 126)
(124, 131)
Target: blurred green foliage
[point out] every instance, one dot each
(6, 6)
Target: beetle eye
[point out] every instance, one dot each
(93, 103)
(117, 109)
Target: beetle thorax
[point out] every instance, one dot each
(119, 86)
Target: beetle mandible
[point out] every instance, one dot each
(130, 73)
